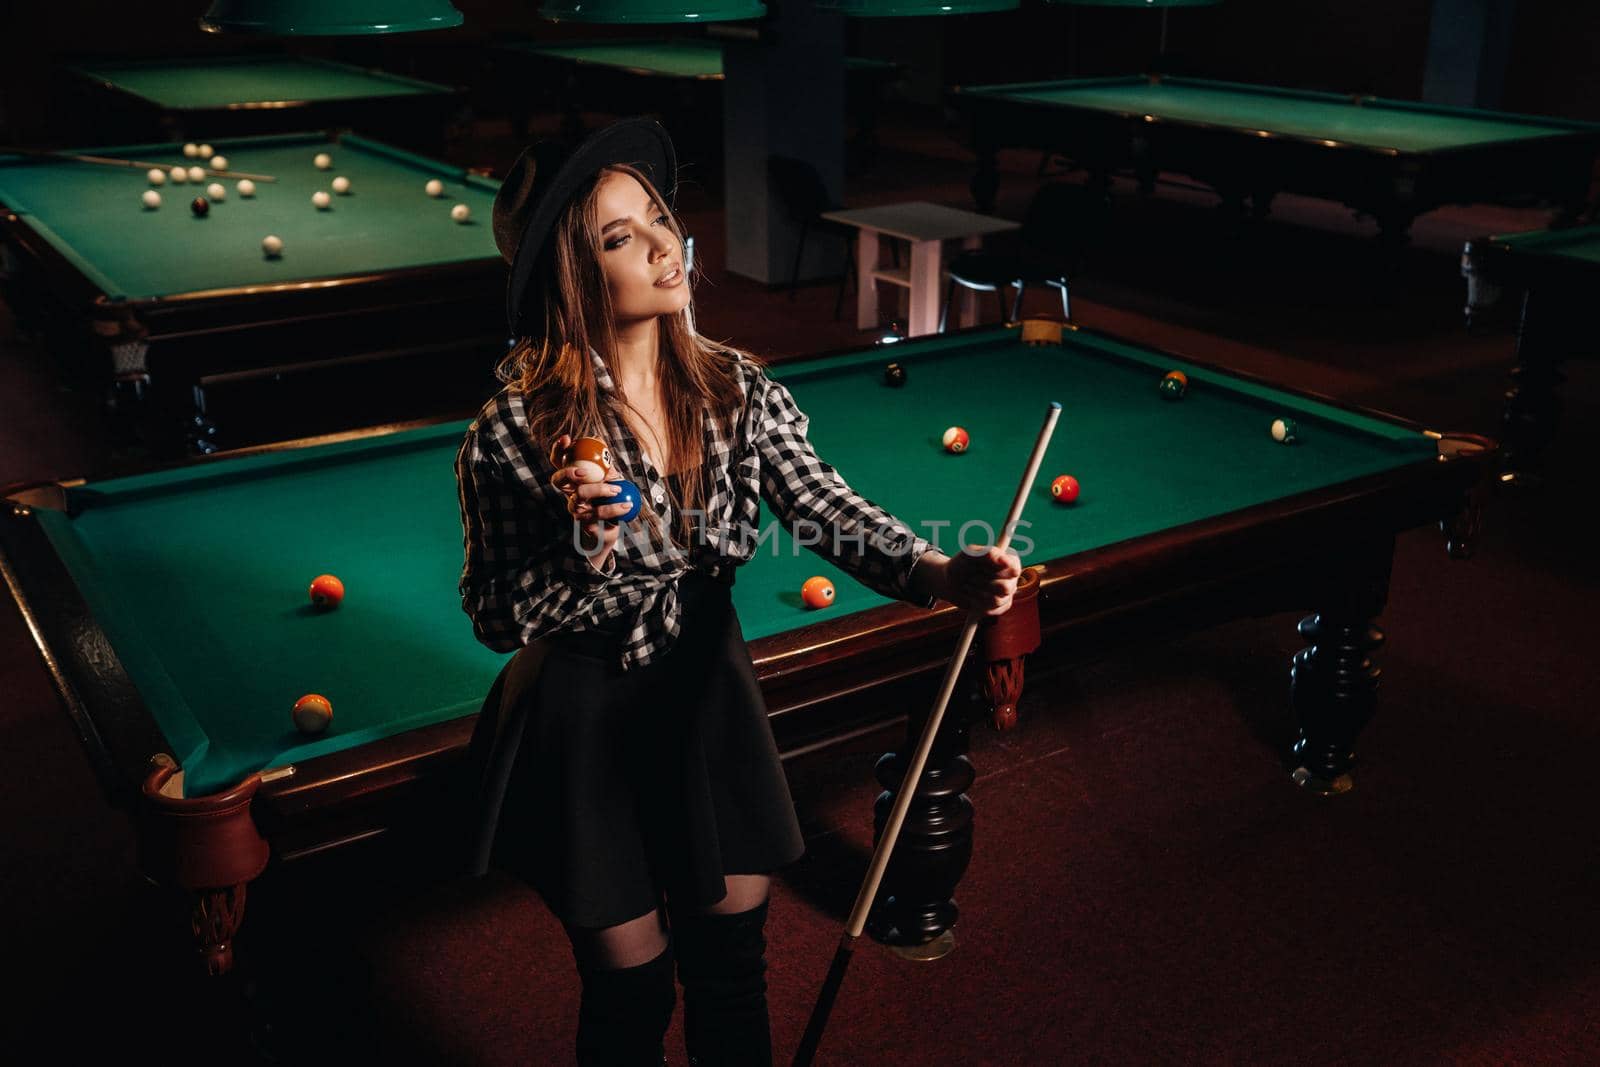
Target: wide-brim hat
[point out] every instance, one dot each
(543, 181)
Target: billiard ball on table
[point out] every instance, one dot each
(894, 374)
(817, 592)
(1064, 489)
(327, 591)
(956, 440)
(200, 206)
(312, 713)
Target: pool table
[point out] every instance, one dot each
(162, 302)
(1556, 275)
(1391, 159)
(678, 79)
(172, 611)
(240, 95)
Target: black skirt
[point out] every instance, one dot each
(628, 785)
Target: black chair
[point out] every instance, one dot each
(803, 197)
(1064, 224)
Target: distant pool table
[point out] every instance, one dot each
(168, 302)
(1556, 276)
(1391, 159)
(679, 80)
(172, 610)
(241, 95)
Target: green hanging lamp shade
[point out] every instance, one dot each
(320, 18)
(892, 9)
(652, 12)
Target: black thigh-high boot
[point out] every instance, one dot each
(625, 1013)
(722, 966)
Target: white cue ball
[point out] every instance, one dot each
(190, 150)
(178, 175)
(272, 245)
(461, 213)
(157, 176)
(152, 199)
(321, 199)
(203, 151)
(322, 161)
(435, 187)
(219, 162)
(197, 174)
(217, 192)
(246, 187)
(341, 185)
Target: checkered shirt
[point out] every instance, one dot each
(525, 577)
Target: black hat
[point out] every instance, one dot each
(541, 183)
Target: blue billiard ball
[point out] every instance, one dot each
(628, 494)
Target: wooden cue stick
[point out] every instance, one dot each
(812, 1037)
(913, 775)
(111, 161)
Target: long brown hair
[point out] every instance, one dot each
(555, 373)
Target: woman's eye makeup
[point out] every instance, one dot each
(622, 239)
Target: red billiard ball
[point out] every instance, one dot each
(817, 592)
(326, 591)
(1064, 489)
(956, 440)
(312, 713)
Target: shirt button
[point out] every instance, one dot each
(657, 493)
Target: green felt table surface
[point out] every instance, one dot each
(666, 58)
(1581, 243)
(93, 216)
(1375, 123)
(250, 81)
(199, 575)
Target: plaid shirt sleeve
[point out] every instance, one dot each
(864, 540)
(523, 577)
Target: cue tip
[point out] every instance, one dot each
(1055, 405)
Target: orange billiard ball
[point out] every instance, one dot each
(590, 454)
(312, 713)
(817, 592)
(956, 440)
(1064, 489)
(326, 591)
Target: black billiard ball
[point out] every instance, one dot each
(894, 374)
(201, 207)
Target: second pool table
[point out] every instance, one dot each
(1391, 159)
(165, 302)
(171, 608)
(239, 95)
(680, 80)
(1553, 276)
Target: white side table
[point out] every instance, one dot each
(926, 227)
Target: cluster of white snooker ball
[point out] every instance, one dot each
(272, 245)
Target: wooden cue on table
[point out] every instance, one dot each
(913, 776)
(131, 164)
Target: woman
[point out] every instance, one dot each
(629, 773)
